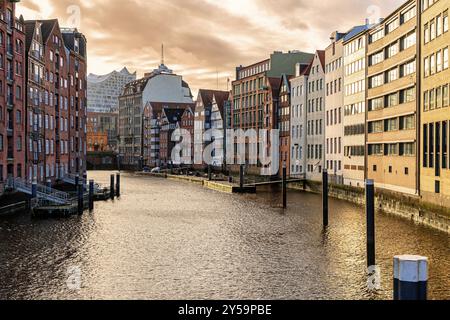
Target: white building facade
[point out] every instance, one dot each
(299, 96)
(315, 115)
(157, 88)
(103, 91)
(334, 106)
(355, 106)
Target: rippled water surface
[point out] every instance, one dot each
(173, 240)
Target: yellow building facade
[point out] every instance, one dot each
(435, 111)
(392, 102)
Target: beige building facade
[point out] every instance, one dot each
(435, 118)
(392, 101)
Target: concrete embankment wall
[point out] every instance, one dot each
(412, 208)
(408, 207)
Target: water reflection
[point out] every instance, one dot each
(171, 240)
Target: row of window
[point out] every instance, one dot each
(334, 65)
(315, 105)
(334, 165)
(389, 27)
(393, 99)
(314, 151)
(435, 146)
(355, 87)
(334, 145)
(392, 124)
(427, 4)
(354, 130)
(393, 74)
(436, 62)
(355, 108)
(314, 86)
(18, 44)
(334, 116)
(334, 87)
(18, 144)
(354, 151)
(314, 129)
(436, 27)
(394, 48)
(392, 149)
(354, 46)
(254, 70)
(436, 98)
(355, 66)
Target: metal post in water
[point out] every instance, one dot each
(325, 197)
(209, 173)
(80, 198)
(49, 183)
(370, 216)
(284, 187)
(410, 277)
(241, 176)
(111, 190)
(91, 195)
(118, 185)
(77, 180)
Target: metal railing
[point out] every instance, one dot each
(43, 192)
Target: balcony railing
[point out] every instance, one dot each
(10, 76)
(36, 54)
(10, 100)
(9, 49)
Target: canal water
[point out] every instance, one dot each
(173, 240)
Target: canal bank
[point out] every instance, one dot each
(411, 208)
(170, 240)
(216, 185)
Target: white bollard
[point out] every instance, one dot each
(410, 277)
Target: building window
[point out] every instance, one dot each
(425, 146)
(444, 144)
(445, 97)
(445, 58)
(19, 143)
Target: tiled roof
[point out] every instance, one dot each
(321, 54)
(157, 107)
(355, 31)
(172, 115)
(47, 27)
(29, 33)
(207, 96)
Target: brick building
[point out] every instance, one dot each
(102, 125)
(56, 104)
(169, 121)
(254, 104)
(12, 93)
(284, 112)
(76, 46)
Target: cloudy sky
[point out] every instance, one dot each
(202, 38)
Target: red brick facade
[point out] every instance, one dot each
(12, 93)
